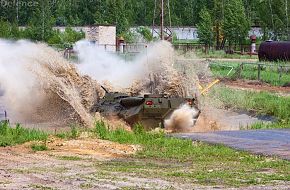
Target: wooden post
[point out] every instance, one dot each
(259, 72)
(162, 20)
(240, 70)
(280, 73)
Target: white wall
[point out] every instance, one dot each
(107, 36)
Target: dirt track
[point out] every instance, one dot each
(256, 86)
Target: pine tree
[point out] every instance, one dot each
(205, 27)
(235, 25)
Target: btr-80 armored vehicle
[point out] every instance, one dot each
(150, 110)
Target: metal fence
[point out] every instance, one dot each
(275, 74)
(192, 47)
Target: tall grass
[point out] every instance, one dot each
(221, 54)
(270, 126)
(159, 145)
(18, 135)
(268, 74)
(263, 103)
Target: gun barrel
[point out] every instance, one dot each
(105, 89)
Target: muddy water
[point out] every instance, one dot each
(40, 86)
(213, 119)
(70, 94)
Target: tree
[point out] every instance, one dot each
(205, 27)
(146, 33)
(218, 18)
(4, 29)
(235, 26)
(274, 19)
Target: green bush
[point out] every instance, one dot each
(146, 33)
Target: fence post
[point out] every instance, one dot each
(259, 72)
(280, 73)
(240, 70)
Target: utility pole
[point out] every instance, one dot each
(162, 11)
(42, 35)
(272, 19)
(162, 20)
(17, 12)
(286, 10)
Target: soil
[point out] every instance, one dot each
(256, 86)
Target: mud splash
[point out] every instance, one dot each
(160, 76)
(60, 77)
(150, 72)
(40, 86)
(182, 119)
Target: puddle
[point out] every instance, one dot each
(260, 117)
(213, 119)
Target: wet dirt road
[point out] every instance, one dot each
(264, 142)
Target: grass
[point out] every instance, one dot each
(176, 159)
(40, 187)
(270, 126)
(11, 136)
(86, 186)
(38, 147)
(73, 133)
(221, 54)
(259, 103)
(184, 41)
(268, 74)
(263, 103)
(69, 158)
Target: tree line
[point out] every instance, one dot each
(218, 20)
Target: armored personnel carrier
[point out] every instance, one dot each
(150, 110)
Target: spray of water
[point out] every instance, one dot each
(105, 66)
(182, 119)
(150, 72)
(40, 86)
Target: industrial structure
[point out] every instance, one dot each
(274, 51)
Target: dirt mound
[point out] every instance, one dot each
(93, 147)
(246, 84)
(87, 146)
